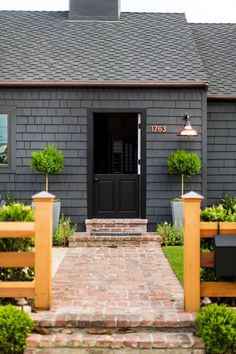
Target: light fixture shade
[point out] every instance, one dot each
(187, 130)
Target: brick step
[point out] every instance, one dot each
(81, 239)
(116, 225)
(114, 343)
(74, 318)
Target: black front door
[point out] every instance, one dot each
(115, 165)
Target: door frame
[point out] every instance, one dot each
(90, 157)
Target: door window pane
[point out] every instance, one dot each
(115, 143)
(4, 139)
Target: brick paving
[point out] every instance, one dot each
(122, 300)
(82, 239)
(174, 343)
(116, 287)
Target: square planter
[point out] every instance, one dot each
(177, 210)
(56, 208)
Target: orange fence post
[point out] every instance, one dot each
(192, 203)
(43, 250)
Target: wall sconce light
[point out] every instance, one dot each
(187, 130)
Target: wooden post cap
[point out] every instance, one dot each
(192, 195)
(43, 195)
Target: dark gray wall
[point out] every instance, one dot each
(169, 107)
(59, 116)
(221, 149)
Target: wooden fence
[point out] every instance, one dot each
(41, 259)
(194, 259)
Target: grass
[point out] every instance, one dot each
(175, 258)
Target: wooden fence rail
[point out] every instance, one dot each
(194, 259)
(41, 259)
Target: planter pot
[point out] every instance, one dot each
(2, 203)
(56, 208)
(177, 210)
(56, 215)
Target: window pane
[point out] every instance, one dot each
(3, 139)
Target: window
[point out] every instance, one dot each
(4, 143)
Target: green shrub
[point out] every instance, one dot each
(9, 198)
(217, 213)
(16, 212)
(48, 161)
(228, 203)
(170, 234)
(207, 274)
(184, 163)
(15, 326)
(63, 232)
(207, 245)
(224, 211)
(216, 326)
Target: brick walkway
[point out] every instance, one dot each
(123, 300)
(125, 286)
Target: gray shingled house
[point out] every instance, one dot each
(110, 90)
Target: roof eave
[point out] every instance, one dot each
(216, 97)
(110, 83)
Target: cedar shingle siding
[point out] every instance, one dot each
(158, 48)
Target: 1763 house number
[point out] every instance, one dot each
(158, 128)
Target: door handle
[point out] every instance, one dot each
(96, 179)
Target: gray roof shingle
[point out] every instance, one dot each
(217, 47)
(141, 46)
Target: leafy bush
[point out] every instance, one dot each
(49, 161)
(16, 212)
(170, 234)
(228, 202)
(207, 274)
(216, 326)
(9, 198)
(207, 245)
(224, 211)
(15, 326)
(217, 213)
(184, 163)
(63, 232)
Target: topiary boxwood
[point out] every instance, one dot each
(216, 326)
(49, 161)
(15, 326)
(184, 163)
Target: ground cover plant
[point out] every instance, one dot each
(15, 326)
(170, 234)
(63, 232)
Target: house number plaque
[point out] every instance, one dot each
(158, 128)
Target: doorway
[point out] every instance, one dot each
(116, 165)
